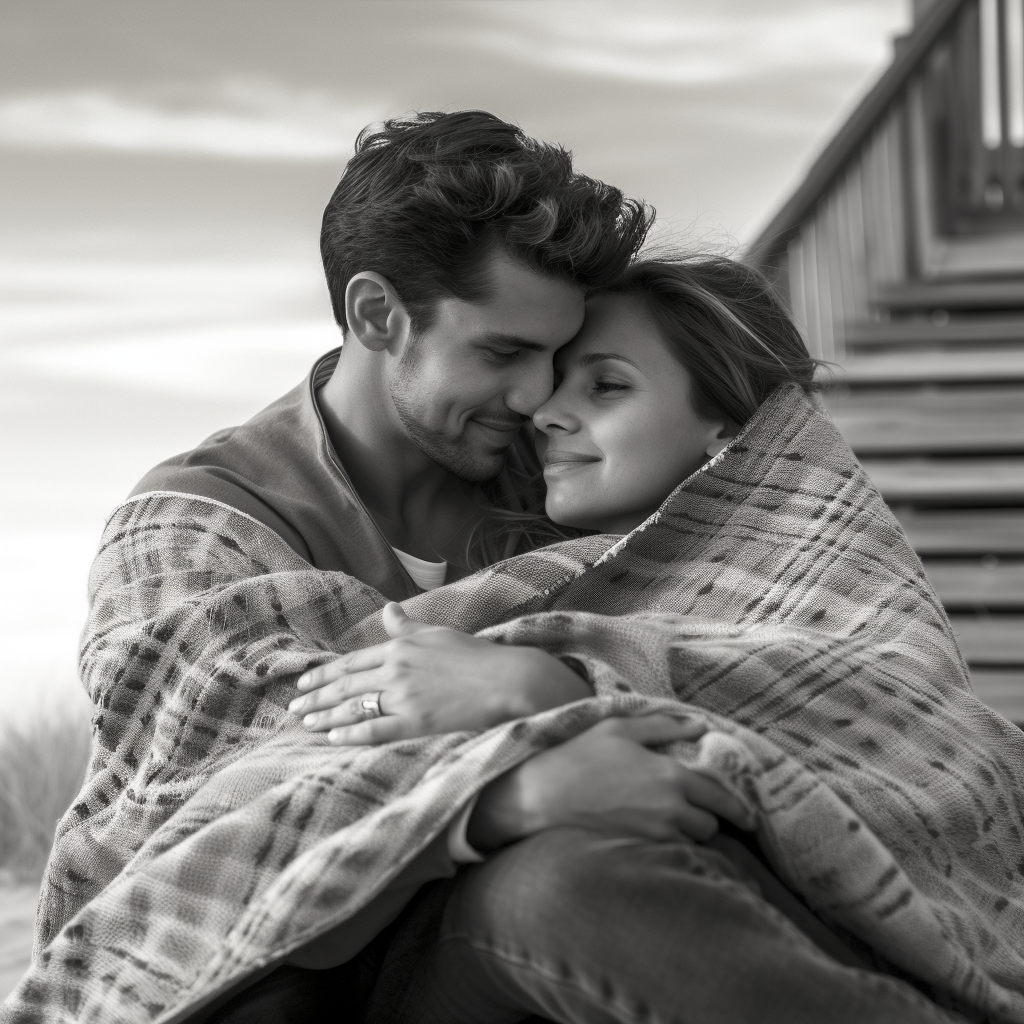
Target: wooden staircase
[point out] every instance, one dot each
(931, 398)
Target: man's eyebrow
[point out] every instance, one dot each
(512, 340)
(596, 357)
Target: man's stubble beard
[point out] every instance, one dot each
(453, 455)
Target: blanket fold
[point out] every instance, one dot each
(773, 597)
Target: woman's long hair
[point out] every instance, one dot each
(722, 321)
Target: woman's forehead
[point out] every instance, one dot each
(614, 324)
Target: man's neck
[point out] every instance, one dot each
(418, 506)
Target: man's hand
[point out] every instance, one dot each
(607, 780)
(431, 680)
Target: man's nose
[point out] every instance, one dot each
(532, 388)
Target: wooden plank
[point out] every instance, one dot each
(982, 583)
(931, 367)
(924, 332)
(955, 295)
(978, 481)
(904, 432)
(1002, 690)
(990, 641)
(980, 532)
(930, 419)
(947, 400)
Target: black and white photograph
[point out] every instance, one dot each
(513, 512)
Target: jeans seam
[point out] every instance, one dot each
(538, 969)
(878, 983)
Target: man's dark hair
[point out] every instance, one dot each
(426, 198)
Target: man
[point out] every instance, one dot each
(457, 254)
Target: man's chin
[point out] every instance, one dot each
(474, 467)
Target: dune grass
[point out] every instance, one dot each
(41, 769)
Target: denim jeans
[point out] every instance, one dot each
(582, 928)
(578, 927)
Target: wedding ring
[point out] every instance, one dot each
(371, 705)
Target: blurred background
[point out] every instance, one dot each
(165, 167)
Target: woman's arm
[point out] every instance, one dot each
(431, 680)
(606, 779)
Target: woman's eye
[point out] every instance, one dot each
(608, 386)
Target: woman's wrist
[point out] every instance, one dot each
(505, 811)
(543, 682)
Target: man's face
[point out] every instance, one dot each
(465, 385)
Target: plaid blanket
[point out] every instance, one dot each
(773, 596)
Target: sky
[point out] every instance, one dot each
(164, 167)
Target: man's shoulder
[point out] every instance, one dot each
(280, 468)
(239, 466)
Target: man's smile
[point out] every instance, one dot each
(506, 430)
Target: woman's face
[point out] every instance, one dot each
(620, 432)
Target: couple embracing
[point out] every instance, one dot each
(545, 654)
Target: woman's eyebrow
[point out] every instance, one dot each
(596, 357)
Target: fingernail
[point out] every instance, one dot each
(302, 682)
(333, 736)
(296, 706)
(309, 720)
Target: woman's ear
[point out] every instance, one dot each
(375, 315)
(723, 435)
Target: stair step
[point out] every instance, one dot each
(907, 432)
(978, 583)
(892, 421)
(977, 481)
(1000, 366)
(925, 332)
(954, 295)
(990, 641)
(1002, 690)
(974, 532)
(949, 400)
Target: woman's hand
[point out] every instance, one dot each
(431, 680)
(606, 779)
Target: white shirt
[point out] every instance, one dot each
(426, 575)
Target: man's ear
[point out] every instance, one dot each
(724, 433)
(376, 316)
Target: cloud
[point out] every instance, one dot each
(240, 118)
(221, 331)
(668, 45)
(248, 362)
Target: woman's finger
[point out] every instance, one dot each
(397, 623)
(357, 661)
(369, 733)
(695, 823)
(339, 696)
(707, 793)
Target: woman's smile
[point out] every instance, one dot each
(557, 460)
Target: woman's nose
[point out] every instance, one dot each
(553, 417)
